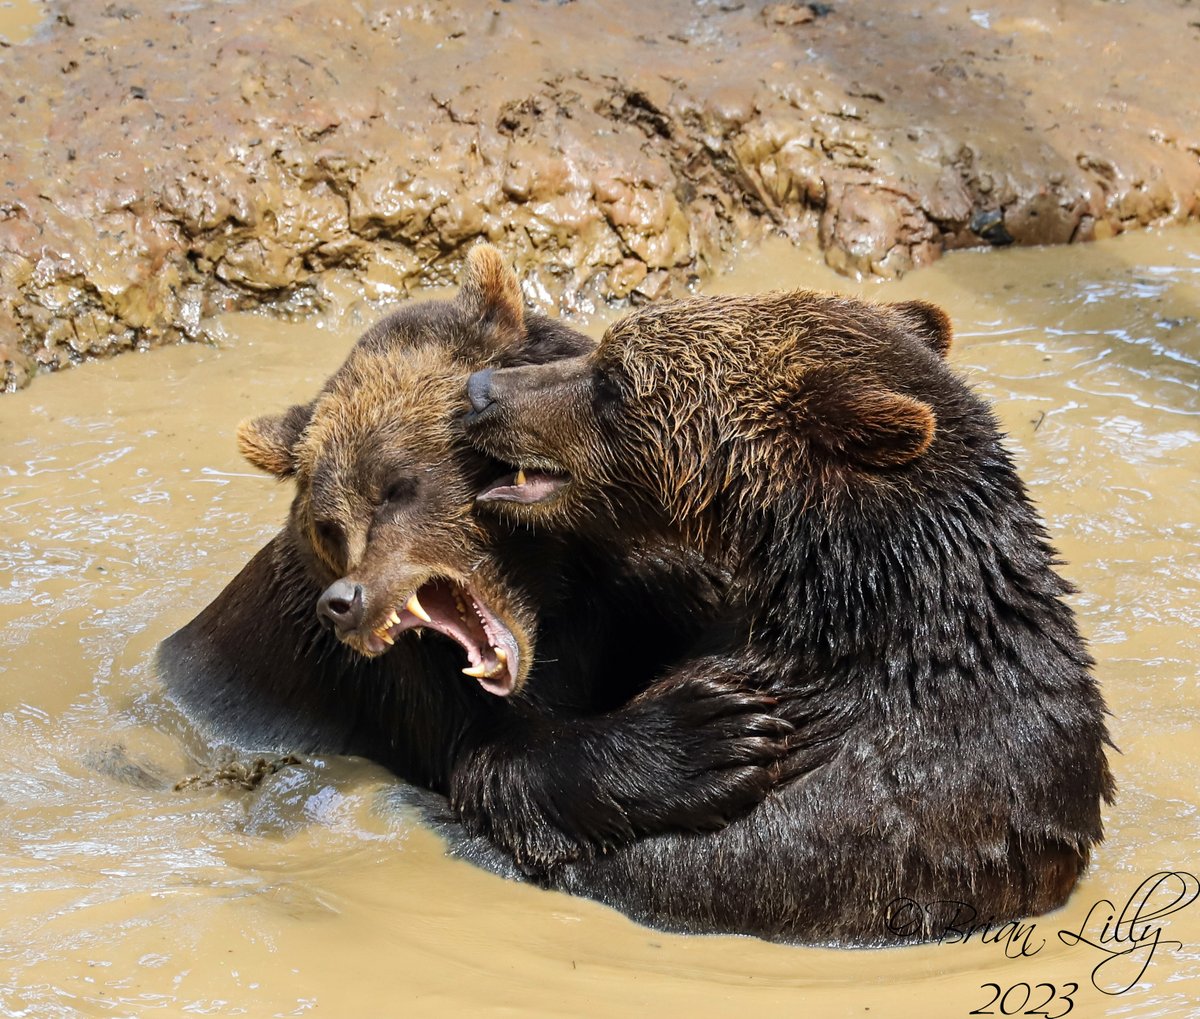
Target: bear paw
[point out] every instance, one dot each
(714, 747)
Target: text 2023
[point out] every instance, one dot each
(1021, 999)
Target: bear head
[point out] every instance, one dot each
(382, 514)
(697, 414)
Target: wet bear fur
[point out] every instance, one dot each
(892, 586)
(592, 750)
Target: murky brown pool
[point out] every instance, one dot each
(124, 509)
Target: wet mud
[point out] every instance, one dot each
(162, 162)
(125, 509)
(237, 774)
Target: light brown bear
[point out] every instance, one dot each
(563, 743)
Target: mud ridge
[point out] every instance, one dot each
(163, 162)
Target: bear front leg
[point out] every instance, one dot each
(691, 753)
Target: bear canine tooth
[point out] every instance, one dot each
(413, 605)
(476, 671)
(384, 636)
(501, 654)
(520, 478)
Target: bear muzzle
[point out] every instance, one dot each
(455, 610)
(341, 607)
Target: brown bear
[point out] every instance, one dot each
(563, 743)
(891, 585)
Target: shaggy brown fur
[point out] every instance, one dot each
(570, 747)
(892, 587)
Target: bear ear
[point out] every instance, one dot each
(929, 322)
(269, 442)
(865, 423)
(491, 295)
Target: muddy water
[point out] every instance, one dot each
(123, 509)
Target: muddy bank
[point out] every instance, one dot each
(162, 162)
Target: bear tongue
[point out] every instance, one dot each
(458, 613)
(525, 486)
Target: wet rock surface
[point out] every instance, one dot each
(162, 162)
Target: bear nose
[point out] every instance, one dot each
(479, 390)
(341, 606)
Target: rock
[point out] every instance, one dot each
(788, 14)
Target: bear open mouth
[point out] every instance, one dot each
(458, 612)
(526, 485)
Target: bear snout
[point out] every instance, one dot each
(341, 606)
(479, 390)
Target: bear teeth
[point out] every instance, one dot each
(520, 478)
(480, 671)
(413, 605)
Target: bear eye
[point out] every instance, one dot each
(330, 535)
(399, 491)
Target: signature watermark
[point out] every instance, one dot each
(1122, 938)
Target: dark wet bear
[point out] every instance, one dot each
(892, 587)
(561, 744)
